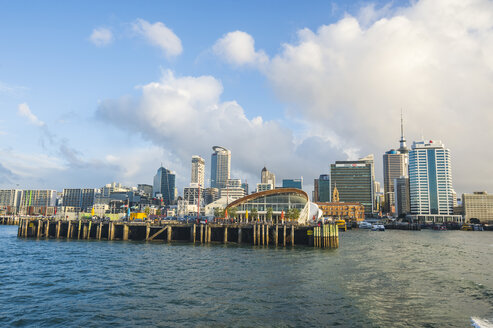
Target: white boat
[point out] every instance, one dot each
(378, 227)
(365, 225)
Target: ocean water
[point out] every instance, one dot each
(375, 279)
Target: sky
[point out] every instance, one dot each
(93, 92)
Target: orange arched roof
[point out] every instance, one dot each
(267, 193)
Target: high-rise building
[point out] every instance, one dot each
(401, 196)
(394, 166)
(355, 182)
(198, 170)
(164, 184)
(220, 167)
(191, 194)
(478, 205)
(315, 191)
(244, 185)
(324, 188)
(264, 187)
(10, 200)
(430, 179)
(267, 177)
(293, 183)
(81, 199)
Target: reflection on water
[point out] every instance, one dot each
(375, 279)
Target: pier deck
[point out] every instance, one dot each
(256, 233)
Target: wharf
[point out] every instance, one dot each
(9, 220)
(254, 233)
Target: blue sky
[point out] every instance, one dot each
(325, 81)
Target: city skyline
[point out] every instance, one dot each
(109, 93)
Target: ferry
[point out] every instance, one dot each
(341, 224)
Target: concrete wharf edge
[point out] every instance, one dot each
(253, 233)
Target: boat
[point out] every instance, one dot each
(365, 225)
(378, 227)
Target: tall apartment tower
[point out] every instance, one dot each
(198, 170)
(355, 182)
(267, 177)
(430, 178)
(323, 188)
(401, 196)
(394, 167)
(164, 184)
(220, 167)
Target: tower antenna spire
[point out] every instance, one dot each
(403, 147)
(402, 126)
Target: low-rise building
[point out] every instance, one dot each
(478, 205)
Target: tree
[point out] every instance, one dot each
(218, 212)
(254, 213)
(232, 212)
(147, 210)
(269, 213)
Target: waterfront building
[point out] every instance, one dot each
(478, 205)
(220, 167)
(146, 189)
(323, 188)
(355, 182)
(430, 182)
(278, 200)
(401, 196)
(198, 170)
(394, 166)
(10, 200)
(164, 184)
(191, 194)
(350, 211)
(267, 177)
(82, 199)
(38, 202)
(293, 183)
(233, 189)
(264, 187)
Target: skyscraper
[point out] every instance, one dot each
(401, 196)
(293, 183)
(354, 181)
(394, 166)
(324, 188)
(430, 178)
(164, 184)
(267, 177)
(220, 167)
(198, 170)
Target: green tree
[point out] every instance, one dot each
(269, 213)
(254, 214)
(147, 210)
(218, 212)
(232, 212)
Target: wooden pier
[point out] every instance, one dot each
(259, 234)
(9, 220)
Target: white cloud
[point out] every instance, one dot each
(238, 48)
(159, 35)
(434, 59)
(23, 110)
(101, 36)
(185, 116)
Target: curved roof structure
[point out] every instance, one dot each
(278, 191)
(219, 148)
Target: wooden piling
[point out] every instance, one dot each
(267, 234)
(201, 233)
(276, 236)
(239, 235)
(259, 235)
(210, 234)
(39, 229)
(292, 235)
(148, 230)
(58, 225)
(125, 231)
(225, 235)
(263, 234)
(254, 233)
(169, 234)
(89, 230)
(100, 230)
(284, 239)
(194, 233)
(47, 229)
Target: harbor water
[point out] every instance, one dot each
(375, 279)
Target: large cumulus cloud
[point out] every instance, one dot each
(186, 116)
(433, 59)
